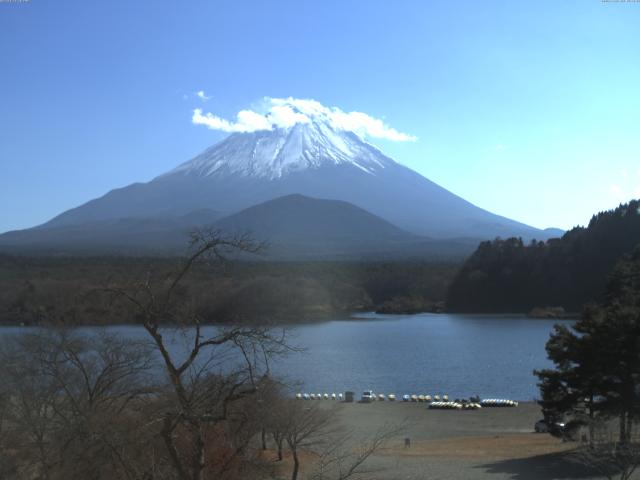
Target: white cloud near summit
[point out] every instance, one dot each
(287, 112)
(246, 121)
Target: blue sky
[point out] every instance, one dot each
(528, 109)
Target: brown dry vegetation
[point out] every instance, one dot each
(65, 290)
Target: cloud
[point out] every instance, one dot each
(246, 121)
(202, 96)
(287, 112)
(368, 126)
(284, 116)
(501, 147)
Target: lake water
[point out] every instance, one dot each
(458, 355)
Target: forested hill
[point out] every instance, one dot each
(509, 276)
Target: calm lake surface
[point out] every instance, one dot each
(458, 355)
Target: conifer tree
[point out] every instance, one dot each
(597, 361)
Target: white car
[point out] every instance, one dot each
(367, 396)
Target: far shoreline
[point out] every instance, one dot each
(356, 316)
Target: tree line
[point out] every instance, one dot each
(511, 276)
(69, 290)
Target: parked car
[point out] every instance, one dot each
(367, 396)
(542, 426)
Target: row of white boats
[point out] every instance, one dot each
(498, 402)
(319, 396)
(455, 405)
(436, 401)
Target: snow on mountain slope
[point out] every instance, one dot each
(272, 154)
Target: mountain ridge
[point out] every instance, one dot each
(293, 227)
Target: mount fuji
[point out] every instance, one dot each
(314, 158)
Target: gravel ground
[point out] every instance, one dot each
(491, 443)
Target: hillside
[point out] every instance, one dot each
(300, 227)
(166, 235)
(511, 276)
(293, 227)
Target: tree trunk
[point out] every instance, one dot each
(623, 428)
(591, 420)
(296, 464)
(279, 441)
(263, 436)
(198, 458)
(167, 436)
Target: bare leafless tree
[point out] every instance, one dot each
(315, 429)
(221, 366)
(306, 428)
(71, 403)
(345, 457)
(97, 406)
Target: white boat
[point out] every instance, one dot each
(333, 396)
(298, 396)
(381, 396)
(392, 397)
(325, 396)
(406, 398)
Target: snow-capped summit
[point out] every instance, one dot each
(272, 154)
(290, 135)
